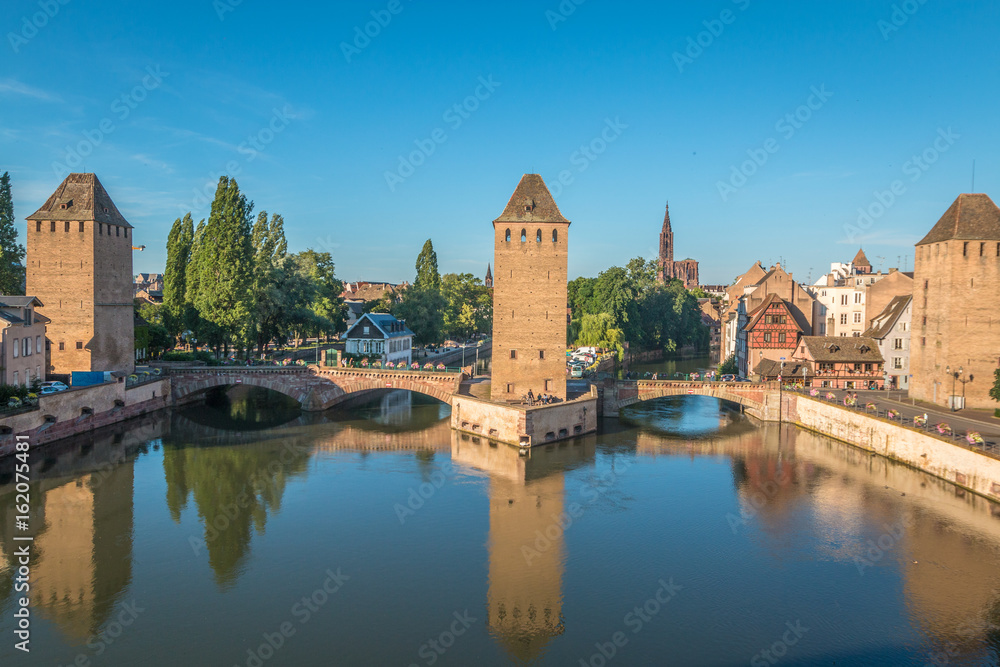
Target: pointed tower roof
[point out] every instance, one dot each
(666, 219)
(531, 202)
(971, 216)
(80, 197)
(489, 274)
(860, 259)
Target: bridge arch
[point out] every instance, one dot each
(750, 396)
(315, 388)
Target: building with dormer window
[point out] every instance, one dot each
(380, 335)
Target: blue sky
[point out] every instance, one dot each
(162, 101)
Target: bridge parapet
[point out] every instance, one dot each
(758, 399)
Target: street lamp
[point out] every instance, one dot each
(957, 377)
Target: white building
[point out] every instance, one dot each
(891, 329)
(380, 335)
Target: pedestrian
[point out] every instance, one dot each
(531, 397)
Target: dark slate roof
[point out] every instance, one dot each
(971, 216)
(85, 199)
(531, 202)
(843, 349)
(383, 322)
(760, 310)
(883, 323)
(793, 369)
(19, 301)
(357, 307)
(860, 259)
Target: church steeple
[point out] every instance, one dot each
(666, 239)
(489, 277)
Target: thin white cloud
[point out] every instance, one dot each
(15, 87)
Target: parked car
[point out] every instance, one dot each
(54, 385)
(729, 378)
(576, 371)
(45, 391)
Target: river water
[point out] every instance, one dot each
(241, 532)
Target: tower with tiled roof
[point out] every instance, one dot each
(79, 264)
(861, 264)
(956, 310)
(529, 294)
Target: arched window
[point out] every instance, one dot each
(508, 236)
(524, 236)
(555, 235)
(538, 236)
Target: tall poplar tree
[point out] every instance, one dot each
(11, 252)
(427, 268)
(224, 265)
(175, 302)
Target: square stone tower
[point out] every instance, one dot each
(79, 264)
(529, 294)
(956, 310)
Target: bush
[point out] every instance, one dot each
(203, 355)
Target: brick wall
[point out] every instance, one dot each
(529, 310)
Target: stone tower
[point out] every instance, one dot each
(79, 258)
(956, 321)
(666, 248)
(529, 294)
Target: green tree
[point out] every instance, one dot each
(422, 309)
(599, 331)
(581, 297)
(995, 391)
(428, 277)
(323, 306)
(11, 252)
(224, 262)
(270, 303)
(729, 366)
(468, 305)
(175, 302)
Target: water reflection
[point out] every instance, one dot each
(892, 560)
(526, 549)
(82, 518)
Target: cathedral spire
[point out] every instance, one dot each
(666, 239)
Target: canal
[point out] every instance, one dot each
(243, 532)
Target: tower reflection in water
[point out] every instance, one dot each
(527, 553)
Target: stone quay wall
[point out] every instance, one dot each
(81, 410)
(963, 466)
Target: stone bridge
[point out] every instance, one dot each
(315, 387)
(761, 400)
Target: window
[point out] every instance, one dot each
(555, 238)
(38, 226)
(118, 230)
(81, 226)
(510, 387)
(965, 249)
(100, 229)
(857, 318)
(843, 299)
(843, 318)
(982, 249)
(538, 236)
(15, 372)
(126, 232)
(79, 344)
(541, 354)
(784, 319)
(767, 319)
(767, 337)
(857, 297)
(781, 338)
(923, 342)
(897, 362)
(926, 283)
(524, 236)
(67, 225)
(52, 226)
(366, 330)
(513, 354)
(62, 345)
(17, 349)
(897, 344)
(548, 385)
(38, 344)
(26, 346)
(507, 236)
